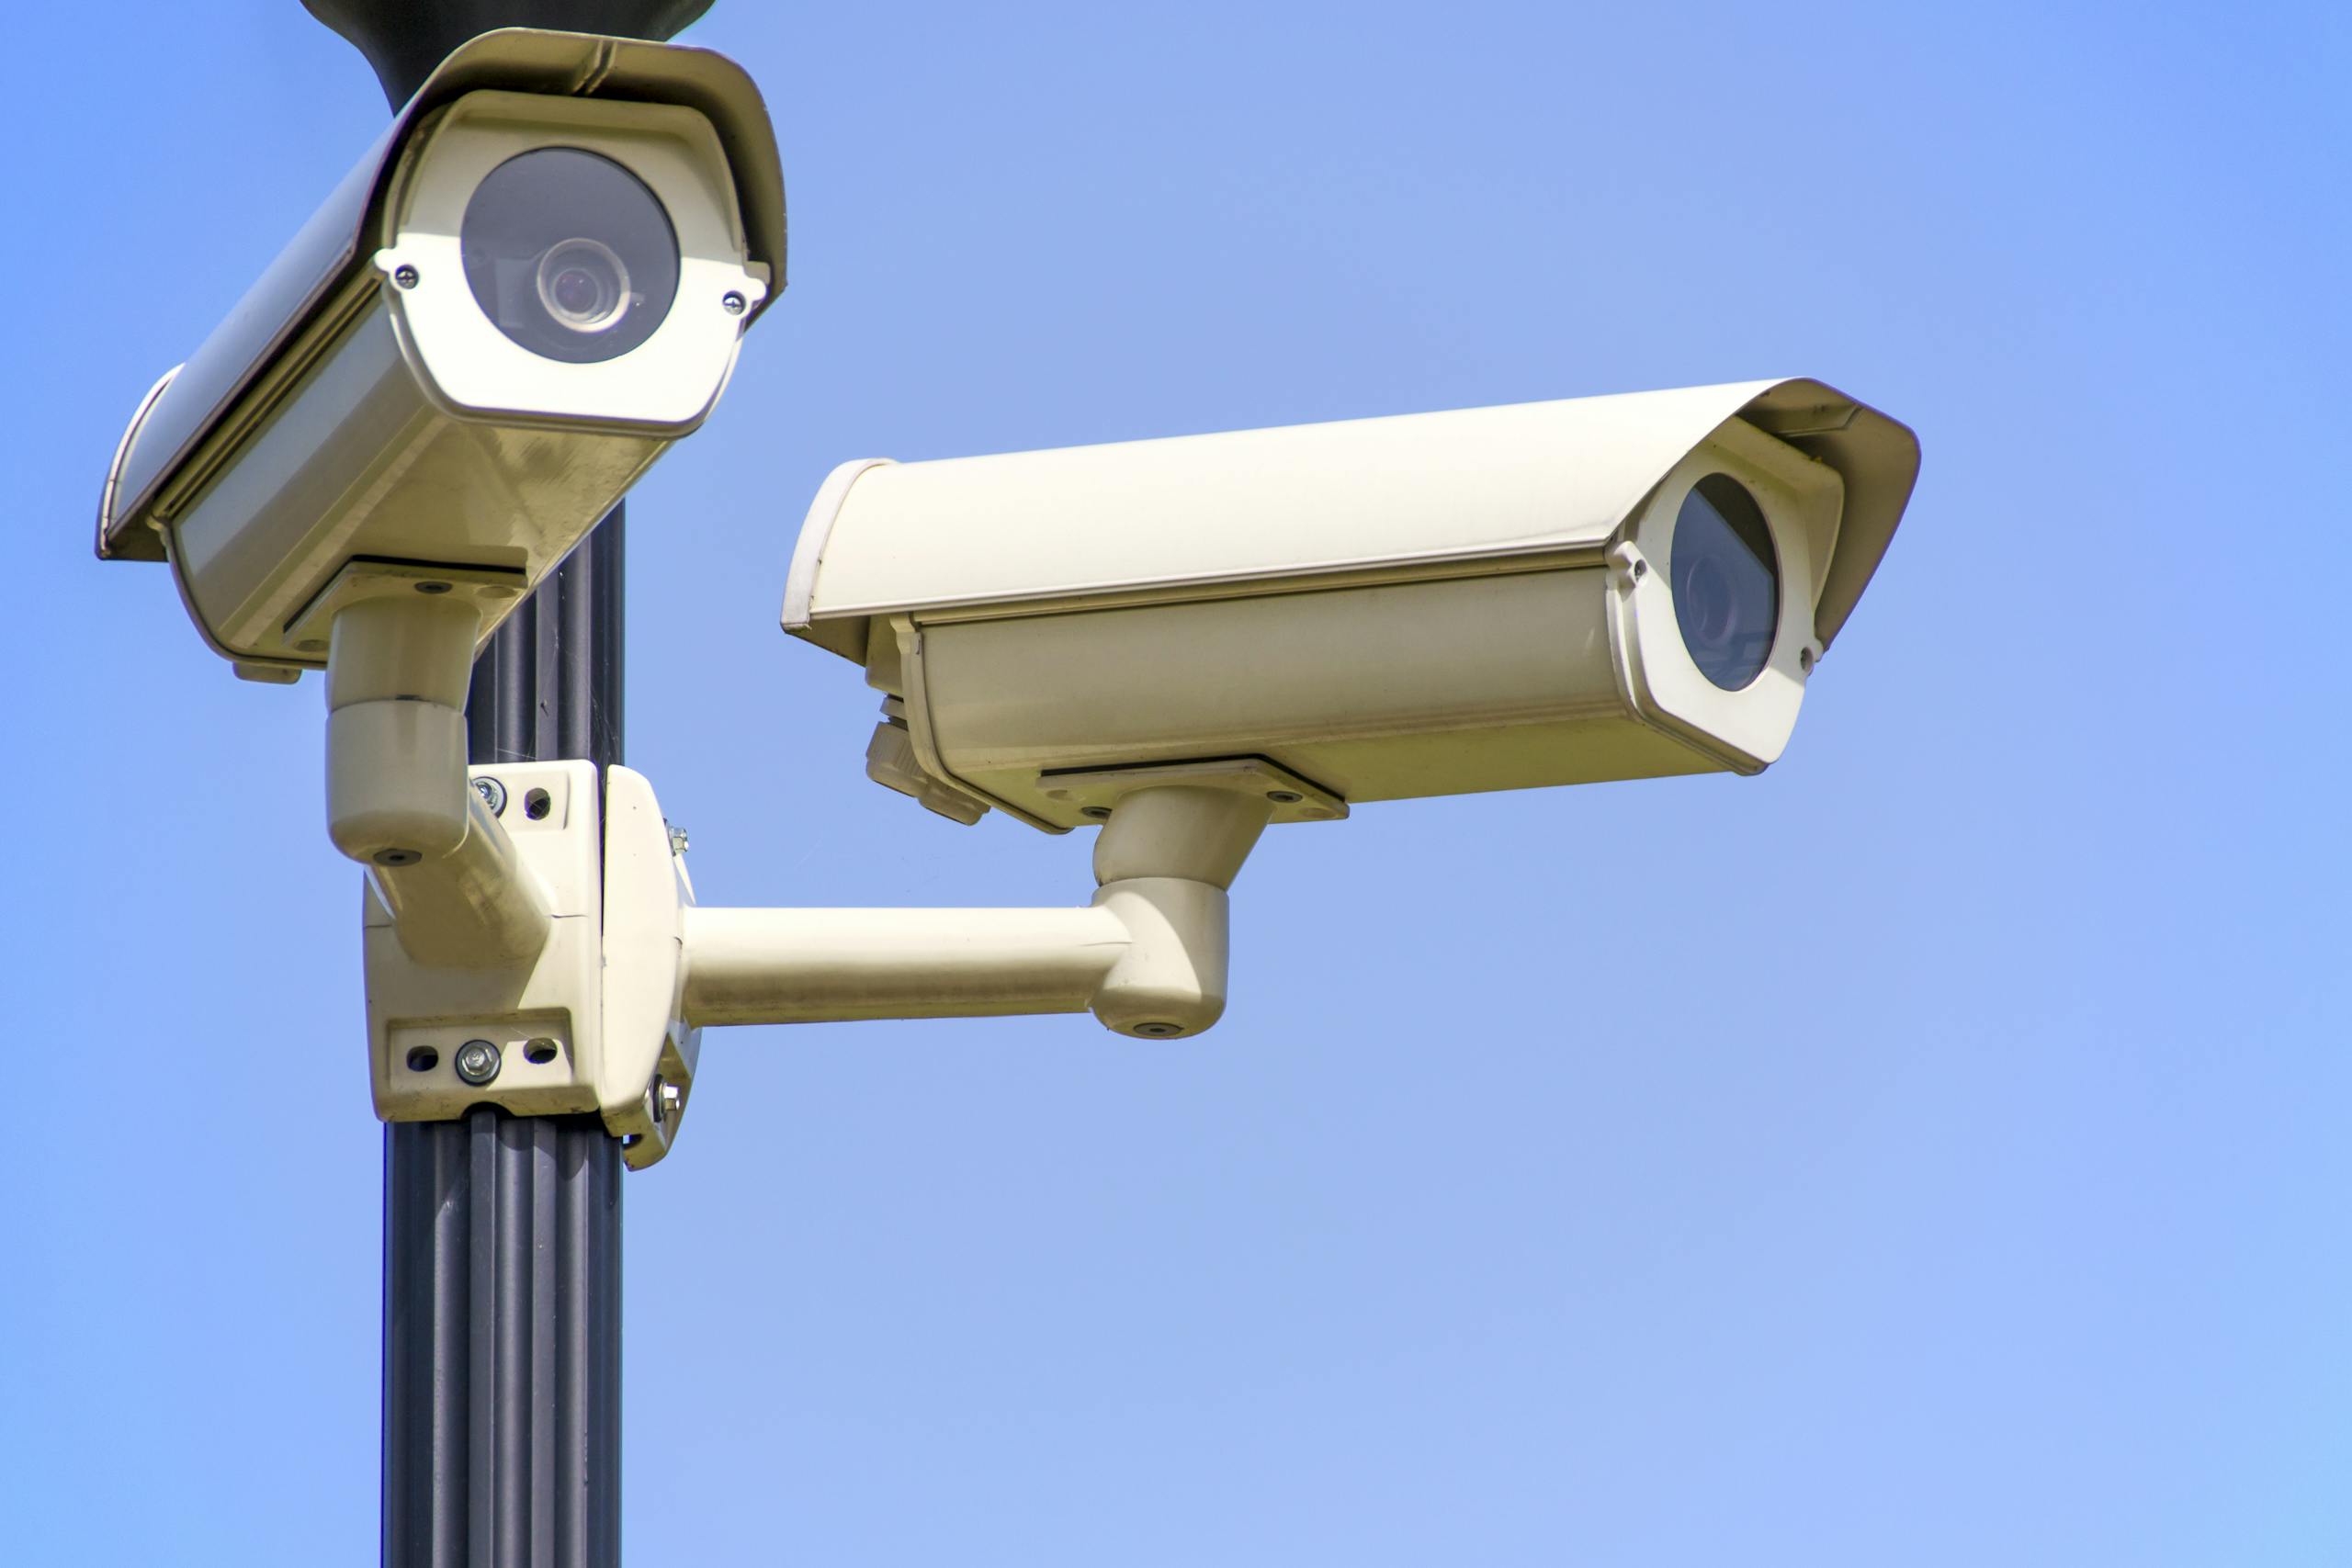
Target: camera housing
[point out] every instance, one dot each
(535, 281)
(1544, 593)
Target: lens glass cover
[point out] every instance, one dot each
(1726, 579)
(569, 255)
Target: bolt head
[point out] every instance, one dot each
(493, 794)
(476, 1061)
(662, 1099)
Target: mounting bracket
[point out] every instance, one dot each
(606, 1014)
(588, 1022)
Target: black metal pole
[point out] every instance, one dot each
(502, 1434)
(501, 1232)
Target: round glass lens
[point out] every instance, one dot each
(569, 255)
(1726, 579)
(583, 285)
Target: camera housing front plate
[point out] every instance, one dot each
(664, 386)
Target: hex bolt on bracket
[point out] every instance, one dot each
(478, 1062)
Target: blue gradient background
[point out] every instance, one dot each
(1933, 1152)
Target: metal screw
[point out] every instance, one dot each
(1804, 659)
(478, 1062)
(1159, 1031)
(1099, 813)
(733, 303)
(433, 588)
(672, 1100)
(677, 841)
(405, 276)
(1284, 796)
(493, 794)
(1640, 569)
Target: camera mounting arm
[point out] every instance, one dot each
(606, 1013)
(398, 800)
(1148, 956)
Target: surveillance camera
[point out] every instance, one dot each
(1547, 594)
(533, 283)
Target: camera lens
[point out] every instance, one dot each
(1726, 579)
(583, 285)
(569, 255)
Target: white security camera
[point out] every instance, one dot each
(532, 284)
(1547, 594)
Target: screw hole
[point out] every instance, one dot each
(423, 1059)
(536, 804)
(539, 1052)
(433, 588)
(1284, 796)
(1804, 659)
(1641, 568)
(397, 857)
(1098, 813)
(1159, 1031)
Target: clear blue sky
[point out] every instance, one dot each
(1936, 1151)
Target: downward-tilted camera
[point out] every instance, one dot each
(530, 286)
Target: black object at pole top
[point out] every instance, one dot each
(404, 40)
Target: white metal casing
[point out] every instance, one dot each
(338, 416)
(1434, 603)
